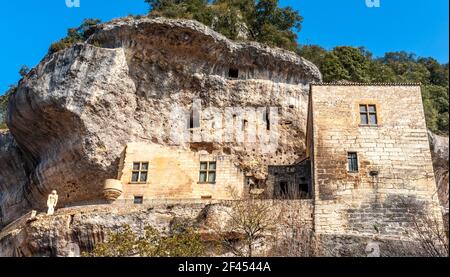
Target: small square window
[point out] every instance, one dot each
(207, 172)
(368, 114)
(138, 199)
(139, 173)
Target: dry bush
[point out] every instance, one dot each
(294, 237)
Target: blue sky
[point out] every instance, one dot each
(28, 27)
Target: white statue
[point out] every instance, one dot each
(51, 202)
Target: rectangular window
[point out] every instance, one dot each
(266, 118)
(368, 114)
(140, 172)
(193, 119)
(207, 172)
(138, 199)
(352, 162)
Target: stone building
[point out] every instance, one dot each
(150, 171)
(357, 155)
(370, 158)
(367, 166)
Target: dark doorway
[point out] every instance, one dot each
(233, 73)
(303, 188)
(283, 189)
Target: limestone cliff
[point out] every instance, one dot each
(439, 153)
(73, 114)
(72, 231)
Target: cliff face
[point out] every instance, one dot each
(72, 231)
(13, 178)
(439, 153)
(73, 114)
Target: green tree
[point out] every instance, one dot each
(332, 69)
(184, 242)
(313, 53)
(276, 26)
(354, 62)
(436, 105)
(438, 73)
(381, 73)
(263, 20)
(75, 35)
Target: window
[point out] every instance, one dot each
(233, 73)
(140, 172)
(138, 199)
(368, 114)
(194, 119)
(352, 162)
(207, 172)
(244, 124)
(266, 118)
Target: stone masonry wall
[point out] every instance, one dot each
(397, 148)
(174, 174)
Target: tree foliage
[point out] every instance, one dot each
(128, 243)
(263, 20)
(346, 63)
(75, 35)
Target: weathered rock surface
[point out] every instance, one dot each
(80, 228)
(72, 231)
(439, 153)
(13, 178)
(74, 113)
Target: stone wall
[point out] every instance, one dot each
(395, 180)
(174, 173)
